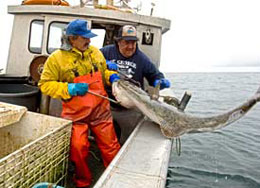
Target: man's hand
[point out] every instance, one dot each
(164, 83)
(76, 89)
(111, 65)
(114, 77)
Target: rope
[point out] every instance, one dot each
(177, 145)
(94, 155)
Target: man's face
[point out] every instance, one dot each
(80, 43)
(127, 47)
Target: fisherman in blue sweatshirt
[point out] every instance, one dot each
(126, 57)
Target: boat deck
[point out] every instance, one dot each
(142, 161)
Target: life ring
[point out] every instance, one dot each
(46, 2)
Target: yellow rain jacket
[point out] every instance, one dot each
(60, 68)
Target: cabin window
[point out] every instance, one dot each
(55, 33)
(36, 36)
(99, 39)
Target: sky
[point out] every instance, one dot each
(205, 35)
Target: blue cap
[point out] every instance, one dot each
(79, 27)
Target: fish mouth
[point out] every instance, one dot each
(121, 95)
(129, 86)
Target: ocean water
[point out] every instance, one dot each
(226, 158)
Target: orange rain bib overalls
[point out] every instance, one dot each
(90, 112)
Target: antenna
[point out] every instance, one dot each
(84, 3)
(153, 5)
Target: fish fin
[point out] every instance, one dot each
(166, 132)
(153, 92)
(171, 101)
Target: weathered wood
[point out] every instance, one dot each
(10, 114)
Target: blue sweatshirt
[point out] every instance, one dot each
(137, 67)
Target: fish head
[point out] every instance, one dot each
(121, 95)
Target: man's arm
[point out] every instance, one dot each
(106, 72)
(154, 76)
(49, 83)
(151, 73)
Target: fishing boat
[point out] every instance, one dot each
(36, 33)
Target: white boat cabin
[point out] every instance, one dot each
(37, 30)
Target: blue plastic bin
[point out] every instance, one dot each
(46, 185)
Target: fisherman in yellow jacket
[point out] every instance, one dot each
(69, 73)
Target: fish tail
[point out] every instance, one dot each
(258, 95)
(258, 91)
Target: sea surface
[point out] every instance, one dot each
(226, 158)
